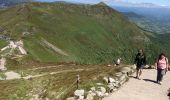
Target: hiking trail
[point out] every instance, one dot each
(144, 89)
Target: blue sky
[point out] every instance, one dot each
(157, 2)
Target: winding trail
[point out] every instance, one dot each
(144, 89)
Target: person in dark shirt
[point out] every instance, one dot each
(140, 62)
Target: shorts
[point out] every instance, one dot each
(140, 67)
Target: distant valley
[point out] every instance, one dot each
(153, 19)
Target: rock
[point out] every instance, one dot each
(117, 82)
(89, 97)
(125, 70)
(106, 94)
(122, 82)
(111, 87)
(114, 89)
(122, 77)
(117, 85)
(81, 97)
(12, 75)
(118, 74)
(109, 65)
(93, 88)
(2, 64)
(25, 33)
(152, 67)
(106, 79)
(79, 93)
(111, 80)
(99, 84)
(146, 67)
(35, 97)
(99, 93)
(103, 90)
(133, 66)
(71, 98)
(92, 93)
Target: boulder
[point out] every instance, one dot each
(103, 90)
(117, 82)
(90, 96)
(81, 97)
(106, 79)
(125, 70)
(122, 77)
(106, 94)
(12, 75)
(117, 85)
(109, 65)
(152, 67)
(114, 89)
(79, 93)
(122, 82)
(71, 98)
(2, 64)
(92, 93)
(118, 74)
(133, 66)
(99, 84)
(99, 94)
(111, 87)
(111, 80)
(146, 67)
(93, 88)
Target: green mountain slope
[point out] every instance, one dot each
(62, 32)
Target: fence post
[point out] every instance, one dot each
(78, 80)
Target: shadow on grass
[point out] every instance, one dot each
(149, 80)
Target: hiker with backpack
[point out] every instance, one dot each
(162, 67)
(140, 62)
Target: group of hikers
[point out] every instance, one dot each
(161, 65)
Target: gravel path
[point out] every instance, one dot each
(144, 89)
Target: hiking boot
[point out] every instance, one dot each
(159, 82)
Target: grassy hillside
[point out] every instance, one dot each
(87, 34)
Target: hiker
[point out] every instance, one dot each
(118, 61)
(162, 67)
(140, 62)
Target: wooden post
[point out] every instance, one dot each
(78, 80)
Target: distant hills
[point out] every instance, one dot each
(6, 3)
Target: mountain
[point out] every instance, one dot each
(6, 3)
(88, 34)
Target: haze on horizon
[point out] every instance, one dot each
(118, 2)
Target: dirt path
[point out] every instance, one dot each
(13, 75)
(145, 89)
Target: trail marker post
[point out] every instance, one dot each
(78, 81)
